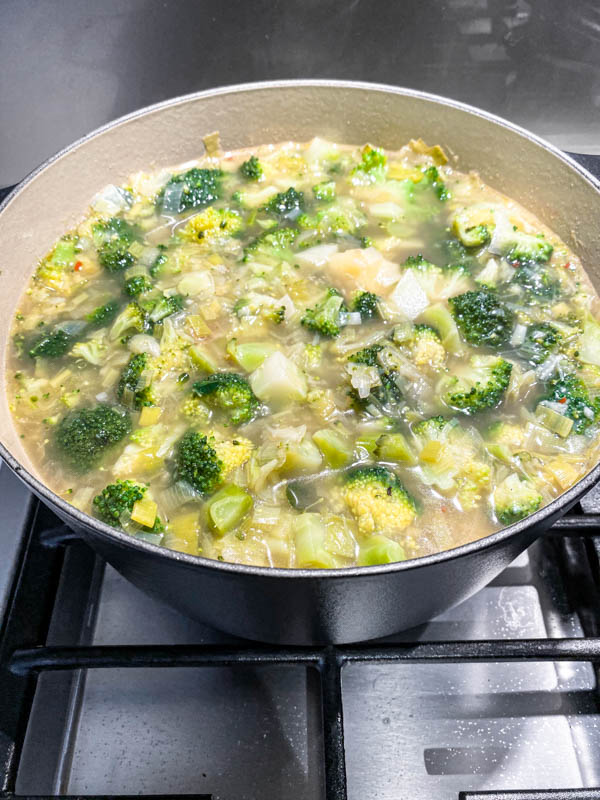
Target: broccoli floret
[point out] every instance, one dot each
(195, 188)
(324, 317)
(378, 500)
(273, 244)
(426, 347)
(53, 268)
(118, 499)
(515, 499)
(259, 305)
(251, 169)
(92, 350)
(539, 283)
(366, 305)
(431, 427)
(196, 462)
(529, 250)
(51, 345)
(103, 314)
(342, 218)
(194, 409)
(131, 390)
(83, 436)
(159, 262)
(540, 340)
(325, 191)
(479, 386)
(113, 237)
(213, 226)
(372, 168)
(482, 318)
(158, 309)
(132, 317)
(286, 205)
(232, 453)
(432, 178)
(138, 284)
(386, 398)
(572, 393)
(230, 393)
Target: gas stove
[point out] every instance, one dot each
(105, 692)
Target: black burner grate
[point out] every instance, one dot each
(24, 654)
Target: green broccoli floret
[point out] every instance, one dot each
(51, 345)
(529, 250)
(273, 244)
(366, 305)
(158, 263)
(286, 205)
(251, 169)
(515, 499)
(430, 428)
(378, 500)
(259, 305)
(324, 317)
(419, 263)
(231, 393)
(454, 255)
(325, 191)
(342, 218)
(102, 315)
(197, 463)
(113, 238)
(195, 188)
(479, 386)
(132, 390)
(572, 393)
(137, 284)
(539, 283)
(51, 270)
(132, 317)
(387, 398)
(118, 499)
(159, 309)
(83, 436)
(482, 318)
(372, 168)
(432, 178)
(540, 340)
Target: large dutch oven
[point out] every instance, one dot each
(278, 605)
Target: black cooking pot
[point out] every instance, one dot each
(280, 605)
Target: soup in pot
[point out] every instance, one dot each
(308, 355)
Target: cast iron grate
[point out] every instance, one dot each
(24, 654)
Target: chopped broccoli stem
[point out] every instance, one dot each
(227, 508)
(335, 447)
(310, 538)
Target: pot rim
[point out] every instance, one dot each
(105, 531)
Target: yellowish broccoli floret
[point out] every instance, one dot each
(212, 226)
(508, 434)
(194, 409)
(232, 453)
(426, 348)
(378, 500)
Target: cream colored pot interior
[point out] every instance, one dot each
(57, 196)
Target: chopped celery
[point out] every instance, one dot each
(440, 318)
(555, 422)
(380, 550)
(144, 512)
(202, 359)
(310, 534)
(302, 456)
(196, 326)
(394, 447)
(336, 448)
(227, 508)
(366, 445)
(249, 355)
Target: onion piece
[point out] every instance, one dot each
(518, 336)
(408, 296)
(503, 235)
(111, 200)
(144, 343)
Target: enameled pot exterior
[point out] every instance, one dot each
(294, 606)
